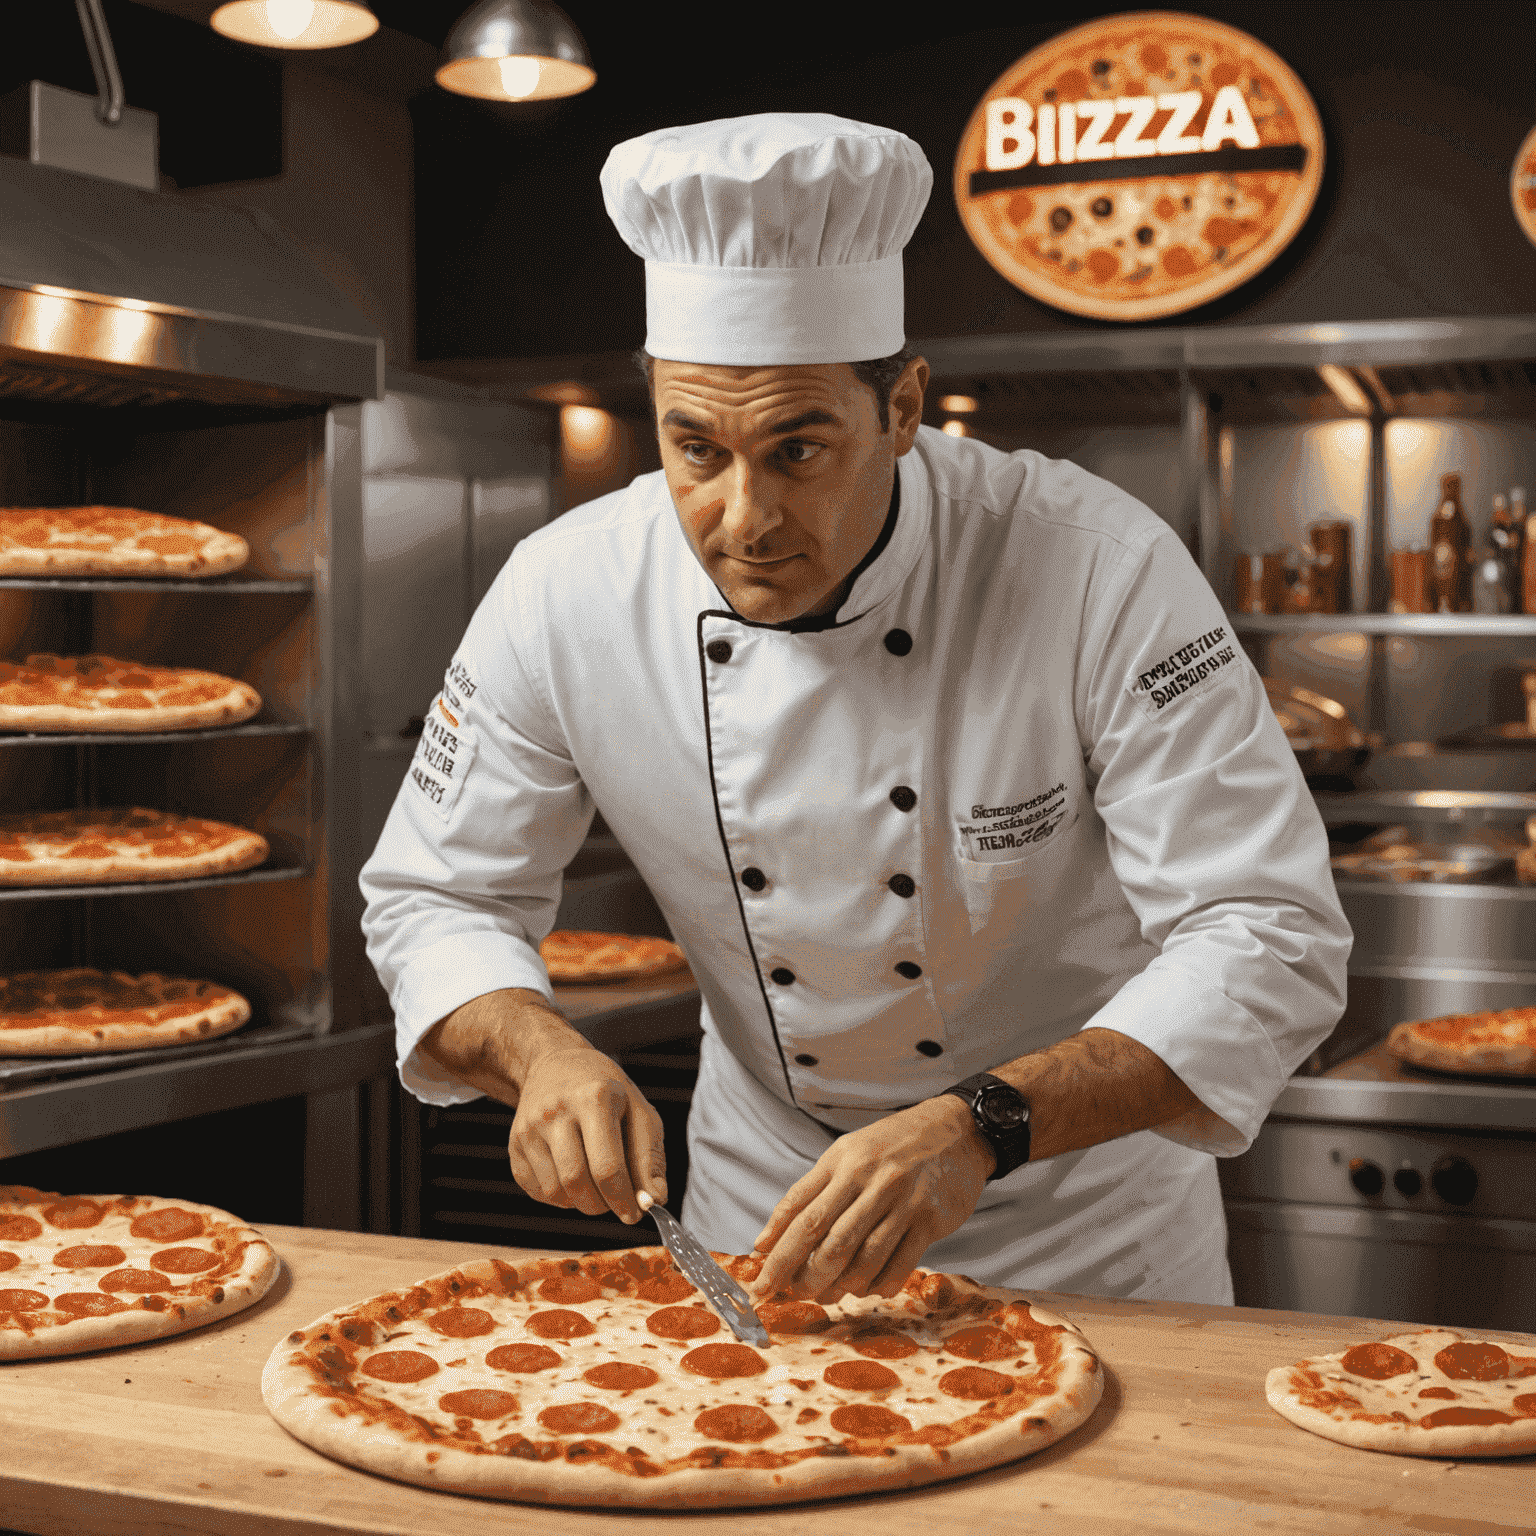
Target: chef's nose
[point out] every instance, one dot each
(750, 515)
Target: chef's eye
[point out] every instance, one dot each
(796, 451)
(697, 453)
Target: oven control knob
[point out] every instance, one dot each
(1407, 1181)
(1366, 1177)
(1455, 1180)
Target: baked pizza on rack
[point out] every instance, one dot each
(574, 956)
(1501, 1043)
(82, 1010)
(119, 846)
(113, 541)
(48, 693)
(607, 1380)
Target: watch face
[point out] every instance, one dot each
(1004, 1108)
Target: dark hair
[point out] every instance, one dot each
(879, 374)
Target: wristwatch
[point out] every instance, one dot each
(1001, 1114)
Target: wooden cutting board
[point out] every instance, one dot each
(173, 1437)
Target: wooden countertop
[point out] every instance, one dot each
(173, 1437)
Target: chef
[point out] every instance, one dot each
(1009, 908)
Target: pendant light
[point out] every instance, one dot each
(296, 23)
(515, 50)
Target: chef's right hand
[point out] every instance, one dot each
(583, 1136)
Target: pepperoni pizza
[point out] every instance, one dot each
(101, 693)
(1431, 1393)
(69, 1012)
(113, 541)
(607, 1380)
(84, 1272)
(120, 846)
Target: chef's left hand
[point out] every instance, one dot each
(875, 1201)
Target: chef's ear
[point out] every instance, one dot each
(907, 403)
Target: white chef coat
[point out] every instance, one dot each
(1108, 829)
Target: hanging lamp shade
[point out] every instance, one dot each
(515, 50)
(295, 23)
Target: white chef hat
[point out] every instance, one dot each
(770, 239)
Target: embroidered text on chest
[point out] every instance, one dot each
(996, 831)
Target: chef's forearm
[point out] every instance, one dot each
(492, 1041)
(1092, 1087)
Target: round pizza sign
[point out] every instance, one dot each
(1522, 186)
(1139, 166)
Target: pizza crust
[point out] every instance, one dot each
(574, 957)
(1499, 1043)
(113, 541)
(82, 1011)
(121, 846)
(1330, 1398)
(246, 1269)
(315, 1384)
(101, 693)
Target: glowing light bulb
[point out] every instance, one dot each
(519, 77)
(290, 18)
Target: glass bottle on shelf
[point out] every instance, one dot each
(1517, 515)
(1450, 548)
(1506, 534)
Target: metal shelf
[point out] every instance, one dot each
(137, 738)
(151, 887)
(1459, 625)
(1429, 890)
(237, 584)
(1468, 807)
(42, 1115)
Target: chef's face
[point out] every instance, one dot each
(781, 476)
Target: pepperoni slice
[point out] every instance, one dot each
(558, 1325)
(738, 1423)
(522, 1358)
(462, 1322)
(1443, 1416)
(72, 1213)
(794, 1317)
(90, 1256)
(8, 1261)
(617, 1376)
(983, 1343)
(1525, 1405)
(1444, 1392)
(1472, 1362)
(399, 1365)
(865, 1421)
(1378, 1362)
(570, 1288)
(860, 1376)
(972, 1381)
(88, 1304)
(668, 1287)
(19, 1229)
(878, 1344)
(184, 1261)
(168, 1225)
(578, 1419)
(478, 1403)
(683, 1323)
(139, 1282)
(22, 1301)
(722, 1361)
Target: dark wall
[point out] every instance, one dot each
(1424, 106)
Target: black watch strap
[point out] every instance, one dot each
(1001, 1114)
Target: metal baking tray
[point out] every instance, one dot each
(1323, 737)
(1437, 863)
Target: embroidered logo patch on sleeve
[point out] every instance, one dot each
(1192, 669)
(446, 748)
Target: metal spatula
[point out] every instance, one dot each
(692, 1258)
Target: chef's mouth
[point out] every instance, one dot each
(760, 564)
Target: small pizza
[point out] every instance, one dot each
(1431, 1393)
(113, 541)
(100, 693)
(120, 846)
(68, 1013)
(84, 1272)
(1522, 186)
(1173, 158)
(1501, 1043)
(574, 956)
(607, 1380)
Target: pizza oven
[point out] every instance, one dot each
(186, 359)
